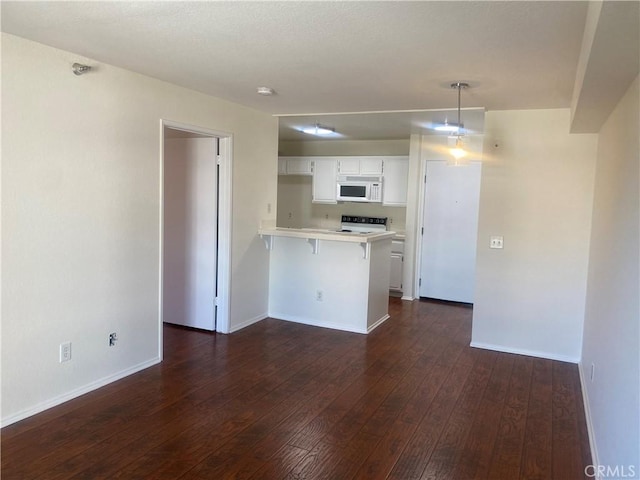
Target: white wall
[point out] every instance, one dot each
(81, 209)
(611, 330)
(294, 201)
(537, 192)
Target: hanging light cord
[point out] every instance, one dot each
(459, 86)
(458, 150)
(459, 124)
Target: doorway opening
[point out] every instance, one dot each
(195, 227)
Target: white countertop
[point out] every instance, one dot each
(333, 235)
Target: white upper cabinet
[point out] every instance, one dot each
(294, 166)
(396, 175)
(371, 166)
(323, 184)
(360, 166)
(282, 165)
(394, 171)
(349, 166)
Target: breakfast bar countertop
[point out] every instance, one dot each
(325, 234)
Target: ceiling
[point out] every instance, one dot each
(329, 57)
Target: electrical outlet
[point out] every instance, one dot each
(113, 338)
(268, 208)
(319, 295)
(496, 242)
(65, 352)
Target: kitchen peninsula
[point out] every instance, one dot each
(328, 278)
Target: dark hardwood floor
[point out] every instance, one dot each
(279, 400)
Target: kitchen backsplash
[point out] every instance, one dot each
(295, 209)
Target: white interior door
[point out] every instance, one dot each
(190, 231)
(450, 233)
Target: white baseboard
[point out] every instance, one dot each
(41, 407)
(409, 299)
(529, 353)
(246, 323)
(316, 323)
(306, 321)
(378, 323)
(587, 413)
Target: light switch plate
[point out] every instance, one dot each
(496, 242)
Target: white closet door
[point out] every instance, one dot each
(190, 232)
(450, 224)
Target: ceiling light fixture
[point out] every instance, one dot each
(458, 152)
(448, 127)
(318, 129)
(266, 91)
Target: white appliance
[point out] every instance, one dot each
(359, 189)
(352, 223)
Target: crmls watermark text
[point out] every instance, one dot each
(610, 471)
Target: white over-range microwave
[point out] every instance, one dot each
(359, 189)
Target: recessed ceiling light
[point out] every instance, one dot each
(318, 129)
(448, 127)
(266, 91)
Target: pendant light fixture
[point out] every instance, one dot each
(457, 151)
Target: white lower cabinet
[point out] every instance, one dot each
(396, 268)
(323, 185)
(395, 273)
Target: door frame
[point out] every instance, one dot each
(225, 157)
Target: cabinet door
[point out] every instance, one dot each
(298, 166)
(324, 186)
(395, 272)
(371, 166)
(397, 246)
(396, 174)
(349, 166)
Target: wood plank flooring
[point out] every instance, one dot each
(279, 400)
